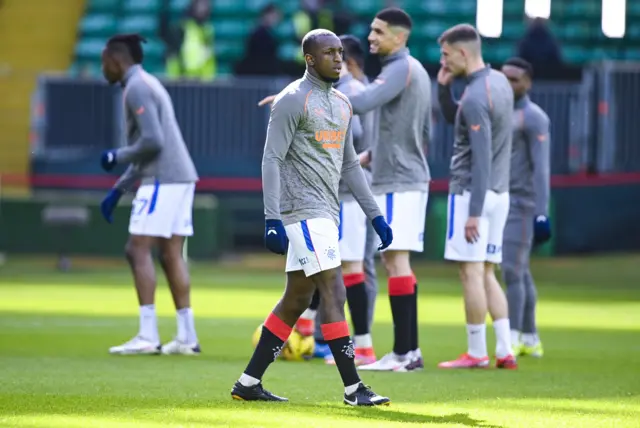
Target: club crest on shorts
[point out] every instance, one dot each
(331, 253)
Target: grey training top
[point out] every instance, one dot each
(361, 128)
(530, 157)
(308, 147)
(155, 148)
(483, 135)
(402, 91)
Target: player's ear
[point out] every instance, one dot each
(309, 59)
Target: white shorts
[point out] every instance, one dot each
(163, 210)
(488, 248)
(313, 246)
(352, 231)
(405, 212)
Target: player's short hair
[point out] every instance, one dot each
(521, 64)
(310, 40)
(459, 33)
(129, 44)
(353, 49)
(396, 17)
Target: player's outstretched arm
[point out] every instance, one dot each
(283, 121)
(386, 87)
(475, 110)
(538, 137)
(354, 177)
(140, 101)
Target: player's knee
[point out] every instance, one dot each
(135, 249)
(352, 267)
(471, 273)
(511, 274)
(397, 263)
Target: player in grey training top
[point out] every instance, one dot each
(161, 216)
(528, 216)
(309, 146)
(401, 176)
(478, 193)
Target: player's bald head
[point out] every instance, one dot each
(317, 39)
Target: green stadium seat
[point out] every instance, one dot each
(141, 6)
(89, 48)
(587, 9)
(361, 29)
(515, 10)
(288, 51)
(633, 9)
(232, 29)
(229, 50)
(98, 24)
(154, 49)
(512, 30)
(177, 7)
(633, 31)
(146, 25)
(575, 54)
(574, 31)
(289, 7)
(225, 69)
(247, 8)
(431, 54)
(103, 5)
(632, 54)
(366, 8)
(285, 30)
(431, 30)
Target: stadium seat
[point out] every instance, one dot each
(285, 30)
(154, 49)
(146, 25)
(229, 50)
(177, 7)
(288, 51)
(141, 6)
(582, 10)
(633, 31)
(575, 54)
(248, 8)
(574, 32)
(232, 29)
(366, 8)
(431, 30)
(89, 48)
(103, 5)
(633, 10)
(361, 30)
(512, 30)
(98, 24)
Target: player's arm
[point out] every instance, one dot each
(283, 121)
(448, 105)
(475, 110)
(140, 101)
(388, 85)
(128, 179)
(354, 177)
(538, 138)
(356, 128)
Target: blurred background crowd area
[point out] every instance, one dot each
(208, 39)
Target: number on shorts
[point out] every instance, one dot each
(139, 205)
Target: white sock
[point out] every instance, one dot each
(515, 337)
(503, 337)
(186, 326)
(148, 323)
(530, 339)
(351, 388)
(417, 353)
(363, 341)
(309, 314)
(477, 340)
(246, 380)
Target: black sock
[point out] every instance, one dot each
(337, 336)
(358, 302)
(315, 301)
(414, 320)
(269, 346)
(401, 298)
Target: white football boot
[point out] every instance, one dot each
(136, 346)
(389, 363)
(176, 347)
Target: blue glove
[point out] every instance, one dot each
(109, 204)
(108, 160)
(384, 232)
(541, 229)
(275, 237)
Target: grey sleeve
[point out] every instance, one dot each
(448, 105)
(283, 121)
(140, 102)
(368, 131)
(475, 110)
(388, 85)
(353, 176)
(128, 179)
(356, 128)
(538, 138)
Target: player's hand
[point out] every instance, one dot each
(275, 237)
(472, 230)
(109, 204)
(541, 229)
(365, 158)
(445, 77)
(266, 100)
(384, 232)
(108, 160)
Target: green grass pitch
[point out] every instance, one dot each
(55, 371)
